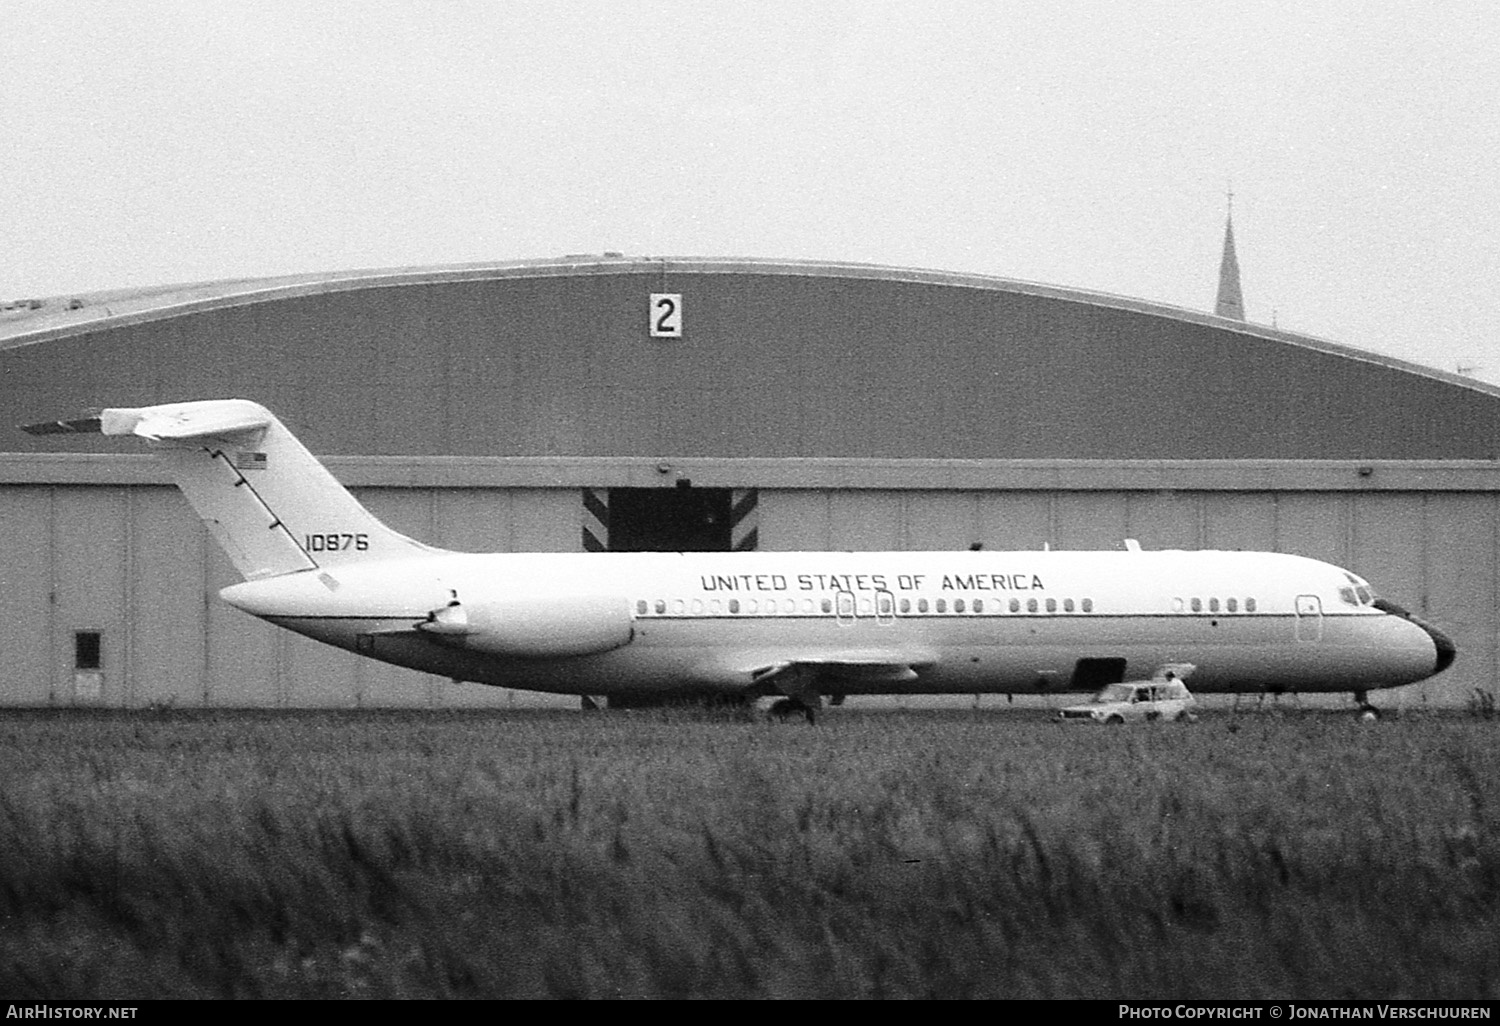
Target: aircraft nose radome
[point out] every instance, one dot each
(1447, 651)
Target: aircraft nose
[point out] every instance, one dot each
(1447, 651)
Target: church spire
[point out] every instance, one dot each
(1230, 302)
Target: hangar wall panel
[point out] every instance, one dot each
(1388, 541)
(1165, 520)
(1314, 525)
(1015, 520)
(1088, 520)
(315, 676)
(867, 520)
(1461, 586)
(941, 520)
(243, 669)
(1239, 520)
(27, 658)
(90, 555)
(168, 608)
(797, 521)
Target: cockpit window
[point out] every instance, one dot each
(1358, 593)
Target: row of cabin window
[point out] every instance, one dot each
(1231, 605)
(922, 605)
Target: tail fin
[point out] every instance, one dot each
(268, 502)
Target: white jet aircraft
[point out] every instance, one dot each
(635, 627)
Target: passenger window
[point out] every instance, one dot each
(1213, 605)
(734, 605)
(1232, 605)
(941, 605)
(979, 605)
(1177, 605)
(640, 607)
(1031, 605)
(1197, 605)
(1052, 605)
(921, 605)
(1015, 605)
(1249, 605)
(1067, 605)
(661, 605)
(958, 605)
(905, 605)
(827, 605)
(1088, 605)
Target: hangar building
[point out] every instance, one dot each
(628, 403)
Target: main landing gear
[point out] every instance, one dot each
(799, 687)
(1366, 712)
(786, 708)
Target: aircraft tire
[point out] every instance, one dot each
(1115, 721)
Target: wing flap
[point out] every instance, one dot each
(769, 672)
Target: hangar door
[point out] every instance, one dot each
(680, 519)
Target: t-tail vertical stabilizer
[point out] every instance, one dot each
(268, 502)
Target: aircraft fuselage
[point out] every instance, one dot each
(879, 623)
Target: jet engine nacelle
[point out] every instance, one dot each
(539, 627)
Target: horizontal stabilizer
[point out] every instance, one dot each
(218, 418)
(80, 426)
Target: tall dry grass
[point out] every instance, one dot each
(551, 854)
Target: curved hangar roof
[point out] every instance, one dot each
(773, 359)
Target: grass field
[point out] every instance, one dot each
(944, 853)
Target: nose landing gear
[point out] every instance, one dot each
(1366, 712)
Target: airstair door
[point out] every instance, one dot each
(1309, 618)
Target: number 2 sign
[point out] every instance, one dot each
(666, 315)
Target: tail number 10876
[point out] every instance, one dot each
(336, 542)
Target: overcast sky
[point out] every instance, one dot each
(1084, 144)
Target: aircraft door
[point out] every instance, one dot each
(1309, 618)
(885, 608)
(843, 606)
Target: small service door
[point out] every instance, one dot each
(1309, 618)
